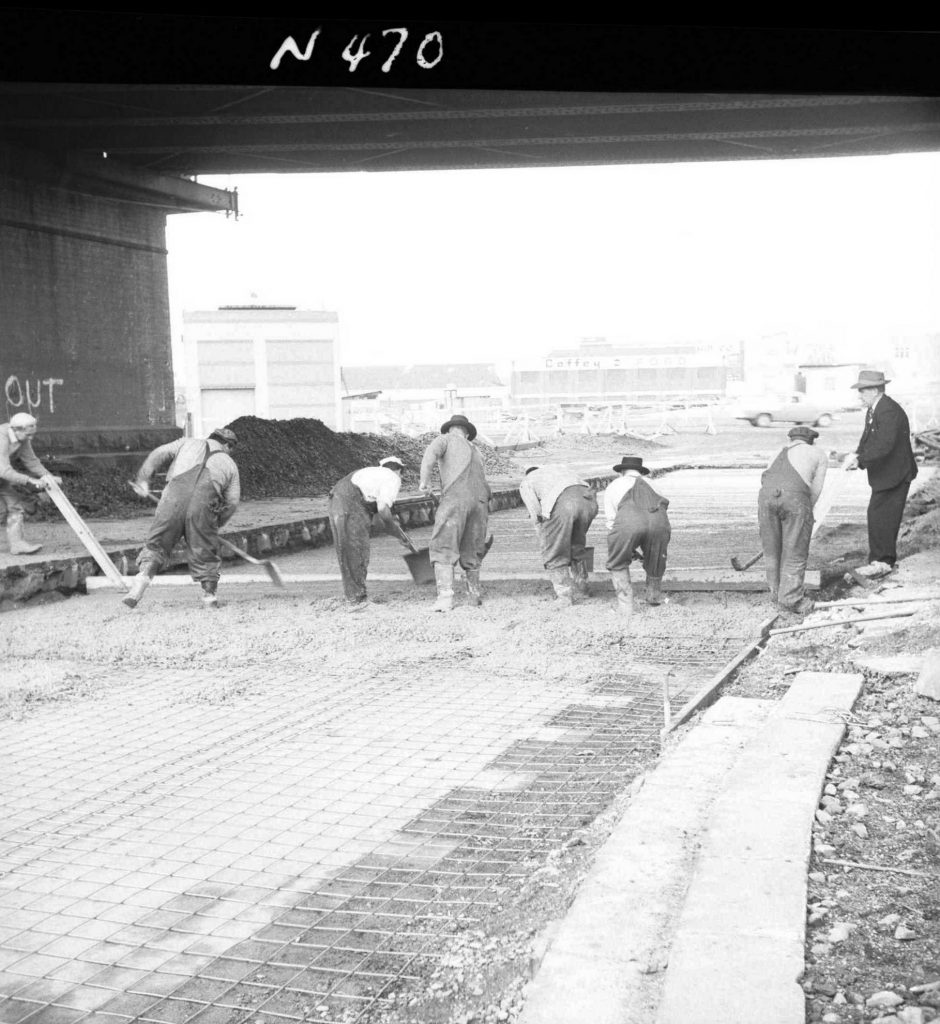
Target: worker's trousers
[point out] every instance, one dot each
(563, 536)
(351, 522)
(785, 520)
(885, 510)
(460, 521)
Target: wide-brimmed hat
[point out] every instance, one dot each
(460, 421)
(392, 460)
(870, 379)
(632, 462)
(803, 433)
(224, 435)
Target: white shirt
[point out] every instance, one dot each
(541, 488)
(378, 484)
(616, 489)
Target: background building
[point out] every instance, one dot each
(276, 362)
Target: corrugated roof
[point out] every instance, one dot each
(414, 376)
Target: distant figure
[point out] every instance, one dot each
(15, 444)
(790, 487)
(638, 528)
(201, 495)
(354, 500)
(885, 451)
(562, 508)
(460, 521)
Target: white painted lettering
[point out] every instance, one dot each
(403, 35)
(360, 54)
(50, 383)
(289, 46)
(29, 395)
(18, 401)
(431, 37)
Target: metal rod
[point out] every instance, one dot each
(876, 600)
(839, 622)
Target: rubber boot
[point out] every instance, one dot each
(624, 591)
(474, 590)
(579, 577)
(654, 590)
(209, 597)
(18, 546)
(561, 581)
(444, 578)
(143, 580)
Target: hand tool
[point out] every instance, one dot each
(819, 514)
(269, 567)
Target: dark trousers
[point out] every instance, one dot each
(785, 520)
(885, 510)
(351, 522)
(563, 536)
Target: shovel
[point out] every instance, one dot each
(269, 567)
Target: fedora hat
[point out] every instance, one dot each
(632, 462)
(224, 435)
(870, 379)
(392, 460)
(806, 434)
(460, 421)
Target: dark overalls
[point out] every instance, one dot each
(351, 520)
(459, 532)
(785, 519)
(641, 523)
(189, 507)
(563, 535)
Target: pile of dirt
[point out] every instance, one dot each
(303, 457)
(921, 527)
(276, 459)
(632, 444)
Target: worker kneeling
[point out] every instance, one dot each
(460, 521)
(201, 494)
(562, 508)
(638, 528)
(790, 487)
(354, 500)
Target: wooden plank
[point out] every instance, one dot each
(85, 535)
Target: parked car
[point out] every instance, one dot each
(794, 408)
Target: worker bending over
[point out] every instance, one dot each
(201, 495)
(790, 487)
(16, 446)
(638, 528)
(459, 532)
(562, 508)
(354, 500)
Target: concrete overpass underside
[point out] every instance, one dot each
(88, 173)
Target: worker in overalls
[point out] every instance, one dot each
(459, 532)
(790, 487)
(354, 500)
(638, 527)
(201, 494)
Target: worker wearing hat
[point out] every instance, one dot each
(790, 487)
(884, 449)
(460, 522)
(638, 527)
(562, 508)
(354, 500)
(15, 445)
(201, 494)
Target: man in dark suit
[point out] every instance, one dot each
(885, 451)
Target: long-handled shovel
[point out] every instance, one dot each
(269, 567)
(820, 512)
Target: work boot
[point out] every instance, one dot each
(561, 581)
(209, 597)
(19, 546)
(143, 580)
(654, 590)
(624, 591)
(579, 577)
(444, 578)
(357, 606)
(474, 590)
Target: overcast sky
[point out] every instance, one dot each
(434, 266)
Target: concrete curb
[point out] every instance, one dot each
(705, 873)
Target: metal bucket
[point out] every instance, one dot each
(588, 559)
(419, 565)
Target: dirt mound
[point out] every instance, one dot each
(921, 527)
(299, 457)
(631, 443)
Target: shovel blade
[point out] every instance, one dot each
(419, 565)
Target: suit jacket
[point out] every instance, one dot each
(885, 447)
